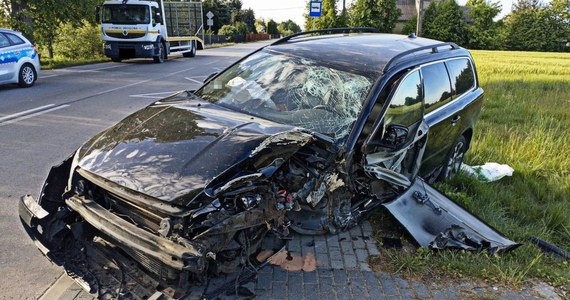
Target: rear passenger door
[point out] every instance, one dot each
(439, 114)
(447, 88)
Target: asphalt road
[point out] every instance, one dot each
(42, 125)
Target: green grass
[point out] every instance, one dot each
(61, 62)
(525, 123)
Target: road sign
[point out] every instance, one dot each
(209, 15)
(210, 22)
(315, 8)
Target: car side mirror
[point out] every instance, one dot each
(210, 77)
(157, 18)
(395, 136)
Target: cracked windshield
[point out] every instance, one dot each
(291, 90)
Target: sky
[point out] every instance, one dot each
(282, 10)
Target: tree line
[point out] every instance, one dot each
(531, 25)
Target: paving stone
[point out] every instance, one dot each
(376, 293)
(349, 261)
(332, 242)
(355, 231)
(324, 273)
(358, 288)
(310, 277)
(388, 285)
(438, 294)
(279, 290)
(346, 247)
(452, 293)
(407, 293)
(421, 290)
(370, 278)
(279, 275)
(325, 284)
(337, 264)
(358, 243)
(295, 284)
(340, 278)
(344, 293)
(323, 260)
(294, 245)
(335, 253)
(321, 247)
(264, 281)
(372, 249)
(364, 266)
(311, 291)
(361, 255)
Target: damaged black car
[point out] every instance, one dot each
(309, 134)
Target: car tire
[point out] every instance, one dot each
(454, 159)
(192, 51)
(27, 75)
(161, 57)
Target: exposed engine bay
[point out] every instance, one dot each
(290, 181)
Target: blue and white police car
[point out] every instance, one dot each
(19, 59)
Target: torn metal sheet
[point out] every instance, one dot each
(437, 222)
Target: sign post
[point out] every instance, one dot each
(315, 10)
(210, 23)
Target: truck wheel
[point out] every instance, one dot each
(192, 51)
(27, 75)
(161, 54)
(454, 159)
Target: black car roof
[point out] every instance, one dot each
(359, 53)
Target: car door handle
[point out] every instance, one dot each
(455, 120)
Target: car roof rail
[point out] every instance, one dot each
(433, 48)
(327, 31)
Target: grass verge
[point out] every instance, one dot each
(58, 62)
(524, 123)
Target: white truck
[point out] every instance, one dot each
(148, 28)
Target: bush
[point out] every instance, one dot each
(229, 31)
(77, 42)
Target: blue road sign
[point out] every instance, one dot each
(315, 9)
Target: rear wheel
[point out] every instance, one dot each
(454, 159)
(161, 57)
(192, 51)
(27, 75)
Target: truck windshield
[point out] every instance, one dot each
(126, 14)
(291, 90)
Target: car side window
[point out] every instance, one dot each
(436, 86)
(406, 103)
(462, 75)
(15, 39)
(4, 42)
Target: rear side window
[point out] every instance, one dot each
(436, 86)
(4, 42)
(461, 74)
(406, 104)
(14, 39)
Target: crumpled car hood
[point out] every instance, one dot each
(173, 149)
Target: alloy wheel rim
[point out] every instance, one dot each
(28, 75)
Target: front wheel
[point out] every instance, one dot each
(161, 57)
(454, 159)
(192, 51)
(27, 76)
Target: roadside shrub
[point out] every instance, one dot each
(229, 31)
(75, 42)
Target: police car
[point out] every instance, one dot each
(19, 59)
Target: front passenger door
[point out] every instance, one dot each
(394, 150)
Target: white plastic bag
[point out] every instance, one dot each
(488, 172)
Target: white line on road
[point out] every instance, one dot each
(155, 95)
(25, 112)
(33, 115)
(194, 80)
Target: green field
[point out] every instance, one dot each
(525, 123)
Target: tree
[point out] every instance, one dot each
(328, 18)
(260, 26)
(380, 14)
(533, 27)
(483, 31)
(288, 27)
(443, 20)
(272, 27)
(246, 16)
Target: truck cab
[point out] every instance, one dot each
(151, 29)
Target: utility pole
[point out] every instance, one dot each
(420, 9)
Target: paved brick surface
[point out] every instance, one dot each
(343, 273)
